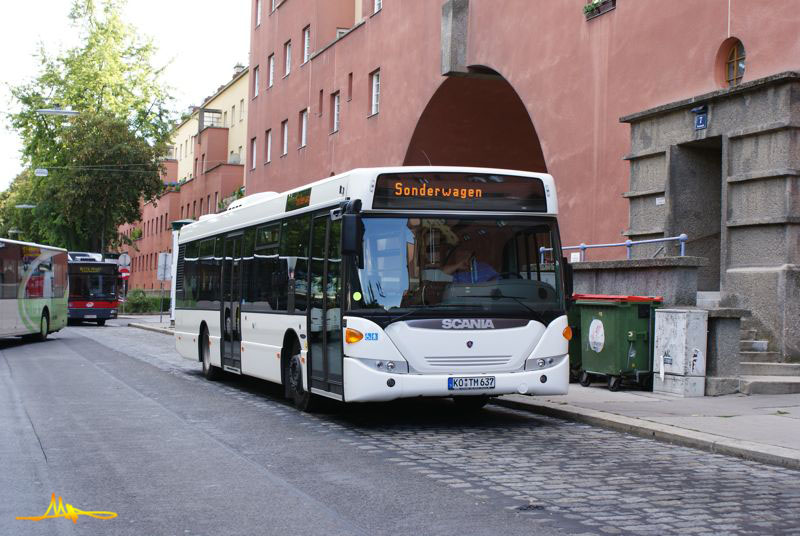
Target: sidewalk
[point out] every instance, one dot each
(763, 428)
(149, 322)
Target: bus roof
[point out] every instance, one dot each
(31, 244)
(354, 184)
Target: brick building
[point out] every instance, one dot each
(202, 174)
(605, 101)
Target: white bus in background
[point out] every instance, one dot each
(383, 283)
(33, 289)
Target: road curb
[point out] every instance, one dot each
(746, 450)
(165, 331)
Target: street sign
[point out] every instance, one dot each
(124, 273)
(164, 266)
(124, 259)
(40, 172)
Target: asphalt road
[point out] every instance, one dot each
(112, 419)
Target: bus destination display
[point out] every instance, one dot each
(457, 191)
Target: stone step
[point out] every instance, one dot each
(752, 368)
(769, 385)
(747, 334)
(754, 346)
(761, 357)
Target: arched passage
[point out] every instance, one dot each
(477, 120)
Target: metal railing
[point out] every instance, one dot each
(682, 239)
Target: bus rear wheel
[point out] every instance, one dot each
(303, 400)
(44, 327)
(210, 372)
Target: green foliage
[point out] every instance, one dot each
(136, 233)
(591, 6)
(102, 162)
(97, 177)
(140, 302)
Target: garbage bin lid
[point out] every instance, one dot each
(616, 298)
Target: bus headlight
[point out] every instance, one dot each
(383, 365)
(538, 363)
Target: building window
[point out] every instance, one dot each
(303, 127)
(285, 137)
(216, 201)
(375, 96)
(255, 81)
(287, 57)
(734, 68)
(233, 114)
(258, 13)
(306, 43)
(253, 153)
(203, 163)
(377, 6)
(225, 118)
(319, 105)
(268, 146)
(241, 110)
(271, 77)
(349, 87)
(208, 204)
(335, 108)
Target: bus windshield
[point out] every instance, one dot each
(94, 286)
(472, 264)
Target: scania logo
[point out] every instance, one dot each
(469, 344)
(467, 323)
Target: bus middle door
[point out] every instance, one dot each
(232, 304)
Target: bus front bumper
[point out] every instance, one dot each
(91, 314)
(365, 384)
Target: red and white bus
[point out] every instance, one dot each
(93, 288)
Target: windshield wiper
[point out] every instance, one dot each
(497, 294)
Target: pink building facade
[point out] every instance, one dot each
(606, 104)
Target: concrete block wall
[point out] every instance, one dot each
(734, 188)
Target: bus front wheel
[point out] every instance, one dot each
(101, 322)
(303, 400)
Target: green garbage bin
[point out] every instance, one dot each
(574, 322)
(616, 338)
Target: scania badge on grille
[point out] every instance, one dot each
(469, 344)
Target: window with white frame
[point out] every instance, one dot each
(335, 109)
(255, 81)
(258, 12)
(253, 153)
(287, 57)
(225, 118)
(375, 96)
(274, 4)
(241, 110)
(271, 78)
(306, 43)
(285, 137)
(233, 114)
(303, 127)
(378, 5)
(268, 146)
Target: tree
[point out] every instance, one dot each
(110, 80)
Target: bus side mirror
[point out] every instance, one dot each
(568, 278)
(353, 237)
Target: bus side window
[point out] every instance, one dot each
(190, 261)
(294, 246)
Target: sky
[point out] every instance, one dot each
(199, 40)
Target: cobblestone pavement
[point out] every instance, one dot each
(568, 476)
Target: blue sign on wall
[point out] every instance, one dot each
(700, 121)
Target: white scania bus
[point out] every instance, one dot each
(33, 289)
(380, 284)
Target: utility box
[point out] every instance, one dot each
(679, 355)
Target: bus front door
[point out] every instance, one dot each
(325, 315)
(231, 304)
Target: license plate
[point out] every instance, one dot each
(89, 316)
(470, 383)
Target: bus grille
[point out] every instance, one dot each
(468, 360)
